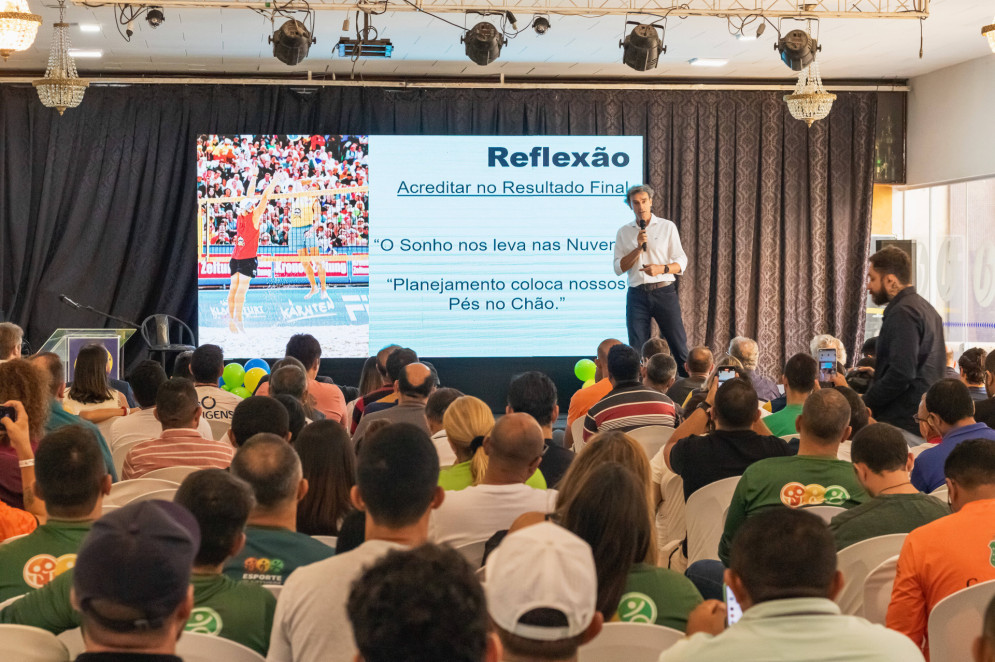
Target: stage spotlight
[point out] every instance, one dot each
(540, 24)
(642, 47)
(155, 17)
(291, 42)
(797, 49)
(483, 43)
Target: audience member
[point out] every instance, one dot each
(91, 396)
(869, 349)
(396, 361)
(51, 365)
(181, 365)
(273, 547)
(541, 594)
(826, 341)
(16, 436)
(882, 462)
(534, 393)
(652, 347)
(910, 351)
(71, 479)
(11, 339)
(422, 605)
(584, 399)
(952, 552)
(800, 375)
(926, 429)
(629, 404)
(386, 388)
(180, 444)
(783, 574)
(698, 365)
(747, 352)
(859, 419)
(24, 384)
(514, 450)
(950, 411)
(414, 385)
(397, 485)
(435, 411)
(292, 380)
(984, 645)
(207, 364)
(328, 398)
(700, 457)
(296, 420)
(328, 465)
(659, 374)
(984, 411)
(223, 607)
(972, 372)
(257, 414)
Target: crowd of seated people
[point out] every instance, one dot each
(401, 520)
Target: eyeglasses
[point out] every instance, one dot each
(920, 420)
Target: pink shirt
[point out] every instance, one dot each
(181, 447)
(328, 399)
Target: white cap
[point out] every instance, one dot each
(543, 566)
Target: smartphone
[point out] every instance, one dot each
(8, 412)
(725, 374)
(827, 365)
(733, 610)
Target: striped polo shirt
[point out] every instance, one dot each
(179, 447)
(628, 406)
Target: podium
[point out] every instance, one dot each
(66, 343)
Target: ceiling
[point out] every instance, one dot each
(220, 42)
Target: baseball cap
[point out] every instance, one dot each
(542, 567)
(140, 557)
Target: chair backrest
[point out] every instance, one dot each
(629, 642)
(473, 552)
(955, 622)
(12, 538)
(125, 491)
(163, 330)
(651, 437)
(195, 647)
(331, 541)
(942, 493)
(877, 590)
(162, 495)
(705, 514)
(73, 641)
(119, 454)
(219, 428)
(671, 523)
(275, 589)
(28, 644)
(791, 437)
(11, 600)
(577, 432)
(172, 474)
(827, 513)
(857, 561)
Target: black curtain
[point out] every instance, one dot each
(98, 204)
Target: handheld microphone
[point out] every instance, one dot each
(642, 226)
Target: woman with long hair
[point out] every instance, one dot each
(370, 380)
(24, 382)
(329, 467)
(90, 395)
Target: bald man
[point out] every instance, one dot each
(514, 449)
(414, 385)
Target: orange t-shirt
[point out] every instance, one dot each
(15, 522)
(585, 398)
(940, 558)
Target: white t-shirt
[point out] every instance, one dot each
(310, 622)
(218, 406)
(143, 425)
(476, 513)
(116, 401)
(447, 457)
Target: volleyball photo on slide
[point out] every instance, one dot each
(283, 235)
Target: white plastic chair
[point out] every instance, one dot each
(473, 552)
(12, 538)
(705, 514)
(162, 495)
(194, 647)
(73, 641)
(219, 428)
(119, 454)
(331, 541)
(827, 513)
(857, 561)
(577, 432)
(791, 437)
(942, 493)
(629, 642)
(10, 601)
(651, 437)
(28, 644)
(275, 589)
(877, 590)
(174, 474)
(955, 622)
(126, 491)
(671, 523)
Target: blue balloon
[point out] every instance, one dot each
(257, 363)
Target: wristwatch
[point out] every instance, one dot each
(703, 406)
(666, 268)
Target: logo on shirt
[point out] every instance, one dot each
(43, 568)
(263, 570)
(991, 548)
(637, 607)
(204, 620)
(794, 495)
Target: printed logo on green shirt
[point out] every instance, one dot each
(43, 568)
(637, 607)
(263, 570)
(794, 495)
(991, 548)
(204, 620)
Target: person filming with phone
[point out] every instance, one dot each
(649, 250)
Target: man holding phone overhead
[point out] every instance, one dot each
(649, 250)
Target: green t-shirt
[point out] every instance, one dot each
(238, 611)
(658, 596)
(272, 553)
(782, 423)
(886, 514)
(795, 481)
(31, 562)
(459, 477)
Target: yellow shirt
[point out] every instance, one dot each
(302, 212)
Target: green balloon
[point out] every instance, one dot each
(241, 392)
(233, 375)
(225, 387)
(585, 369)
(589, 382)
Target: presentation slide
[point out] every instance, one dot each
(456, 246)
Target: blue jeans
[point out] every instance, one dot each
(706, 575)
(662, 305)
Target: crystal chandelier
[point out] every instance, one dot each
(18, 26)
(989, 31)
(809, 101)
(61, 87)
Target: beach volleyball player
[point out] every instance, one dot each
(305, 218)
(245, 255)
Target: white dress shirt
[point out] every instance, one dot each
(663, 246)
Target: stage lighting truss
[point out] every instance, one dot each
(366, 44)
(642, 47)
(798, 48)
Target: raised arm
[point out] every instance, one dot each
(20, 440)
